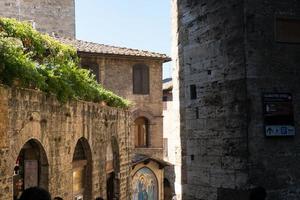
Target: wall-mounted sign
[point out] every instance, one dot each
(278, 114)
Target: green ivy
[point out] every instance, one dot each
(34, 60)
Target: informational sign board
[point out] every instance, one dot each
(31, 173)
(278, 114)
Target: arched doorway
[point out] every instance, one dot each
(82, 171)
(144, 185)
(112, 170)
(141, 132)
(31, 168)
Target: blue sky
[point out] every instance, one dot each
(141, 24)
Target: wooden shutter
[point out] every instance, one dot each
(137, 80)
(145, 80)
(140, 79)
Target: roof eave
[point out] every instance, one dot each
(163, 59)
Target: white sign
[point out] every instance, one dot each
(280, 130)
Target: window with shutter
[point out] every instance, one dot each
(93, 67)
(140, 79)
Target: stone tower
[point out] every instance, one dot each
(238, 74)
(50, 16)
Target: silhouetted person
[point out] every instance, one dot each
(99, 198)
(35, 193)
(58, 198)
(258, 193)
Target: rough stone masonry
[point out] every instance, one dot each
(53, 17)
(27, 115)
(230, 54)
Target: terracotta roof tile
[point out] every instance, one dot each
(91, 47)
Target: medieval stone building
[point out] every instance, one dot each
(237, 66)
(172, 147)
(135, 75)
(56, 17)
(130, 73)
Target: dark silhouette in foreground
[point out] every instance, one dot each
(35, 193)
(258, 193)
(58, 198)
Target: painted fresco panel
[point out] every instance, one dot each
(145, 186)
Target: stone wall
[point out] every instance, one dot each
(227, 50)
(272, 67)
(116, 74)
(214, 148)
(50, 16)
(29, 114)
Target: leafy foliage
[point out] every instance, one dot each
(38, 61)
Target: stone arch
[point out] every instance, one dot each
(112, 181)
(144, 181)
(141, 132)
(82, 170)
(31, 167)
(139, 113)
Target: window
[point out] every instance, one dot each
(141, 132)
(140, 79)
(197, 112)
(193, 91)
(94, 68)
(287, 30)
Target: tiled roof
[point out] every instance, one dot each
(91, 47)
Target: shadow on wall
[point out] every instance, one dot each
(169, 182)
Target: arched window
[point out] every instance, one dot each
(140, 79)
(141, 132)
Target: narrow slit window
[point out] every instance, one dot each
(197, 112)
(193, 91)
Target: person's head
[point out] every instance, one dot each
(35, 193)
(258, 193)
(99, 198)
(58, 198)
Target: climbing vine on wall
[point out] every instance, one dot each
(34, 60)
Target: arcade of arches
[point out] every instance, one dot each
(62, 148)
